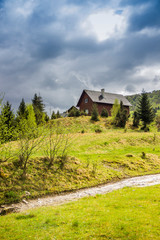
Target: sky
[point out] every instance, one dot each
(58, 48)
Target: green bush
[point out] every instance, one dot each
(11, 196)
(94, 115)
(104, 113)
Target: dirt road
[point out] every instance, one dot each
(141, 181)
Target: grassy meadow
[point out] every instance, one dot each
(129, 213)
(98, 153)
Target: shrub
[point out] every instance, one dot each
(82, 113)
(11, 196)
(98, 130)
(74, 113)
(104, 113)
(94, 115)
(135, 119)
(121, 117)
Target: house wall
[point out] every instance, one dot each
(83, 106)
(108, 107)
(88, 106)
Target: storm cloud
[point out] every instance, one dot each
(59, 48)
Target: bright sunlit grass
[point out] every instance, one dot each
(93, 158)
(130, 213)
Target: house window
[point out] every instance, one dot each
(86, 111)
(86, 100)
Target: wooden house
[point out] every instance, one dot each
(102, 99)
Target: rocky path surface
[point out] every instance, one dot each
(53, 200)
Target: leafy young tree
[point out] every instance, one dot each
(56, 144)
(121, 117)
(145, 110)
(29, 141)
(31, 119)
(94, 114)
(115, 108)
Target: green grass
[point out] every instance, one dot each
(129, 213)
(93, 158)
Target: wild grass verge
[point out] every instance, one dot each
(129, 213)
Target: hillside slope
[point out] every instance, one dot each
(93, 157)
(154, 98)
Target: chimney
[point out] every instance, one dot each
(102, 92)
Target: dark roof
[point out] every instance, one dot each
(96, 96)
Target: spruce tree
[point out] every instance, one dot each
(7, 123)
(22, 110)
(145, 110)
(38, 107)
(53, 116)
(58, 115)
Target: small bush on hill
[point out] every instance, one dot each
(83, 113)
(104, 113)
(135, 119)
(121, 117)
(11, 196)
(94, 115)
(74, 113)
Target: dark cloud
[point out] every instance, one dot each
(44, 48)
(149, 18)
(143, 17)
(130, 88)
(134, 3)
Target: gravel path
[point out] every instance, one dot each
(141, 181)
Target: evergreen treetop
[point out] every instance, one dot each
(145, 110)
(22, 110)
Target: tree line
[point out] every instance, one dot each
(32, 114)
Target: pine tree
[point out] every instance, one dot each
(53, 116)
(145, 110)
(38, 107)
(58, 115)
(7, 124)
(46, 118)
(94, 115)
(22, 110)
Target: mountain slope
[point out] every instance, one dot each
(154, 98)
